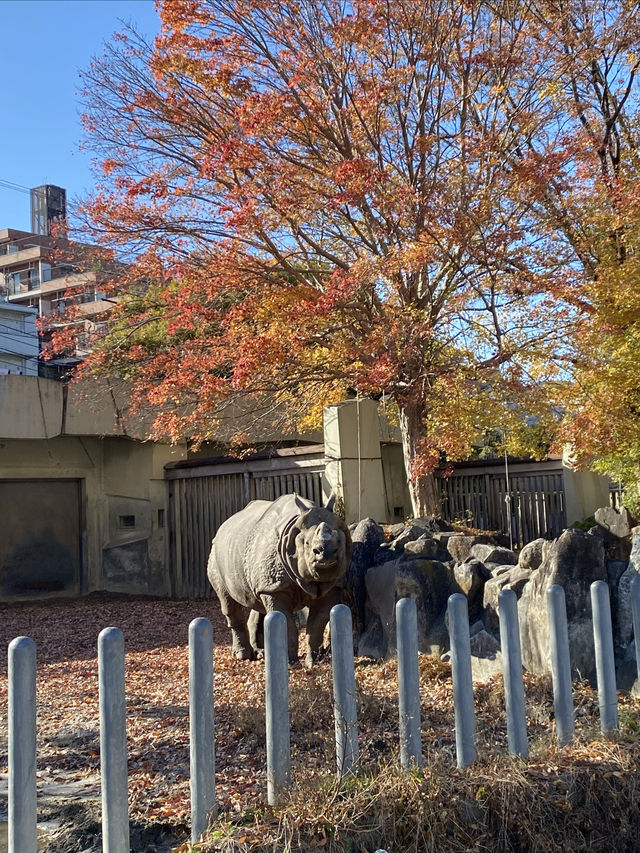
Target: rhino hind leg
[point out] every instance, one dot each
(237, 617)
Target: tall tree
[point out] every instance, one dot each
(326, 195)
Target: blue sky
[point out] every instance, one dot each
(45, 43)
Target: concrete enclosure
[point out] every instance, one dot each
(82, 500)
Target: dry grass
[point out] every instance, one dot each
(583, 797)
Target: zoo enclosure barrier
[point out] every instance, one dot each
(113, 738)
(525, 501)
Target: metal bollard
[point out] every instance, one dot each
(635, 615)
(408, 683)
(560, 663)
(512, 670)
(605, 662)
(463, 707)
(113, 742)
(201, 726)
(276, 661)
(344, 688)
(22, 746)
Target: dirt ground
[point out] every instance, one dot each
(156, 647)
(68, 762)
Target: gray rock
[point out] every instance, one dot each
(623, 624)
(634, 557)
(437, 639)
(623, 631)
(390, 582)
(627, 671)
(366, 538)
(423, 546)
(615, 548)
(460, 545)
(573, 561)
(410, 533)
(492, 590)
(471, 577)
(484, 644)
(513, 577)
(617, 521)
(486, 658)
(494, 554)
(532, 554)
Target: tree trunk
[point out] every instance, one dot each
(425, 495)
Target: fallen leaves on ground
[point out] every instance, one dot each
(157, 681)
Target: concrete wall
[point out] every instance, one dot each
(120, 481)
(354, 459)
(584, 491)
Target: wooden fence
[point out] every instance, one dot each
(524, 500)
(204, 493)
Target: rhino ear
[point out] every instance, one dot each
(299, 502)
(331, 502)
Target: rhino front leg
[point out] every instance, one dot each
(256, 630)
(319, 611)
(282, 604)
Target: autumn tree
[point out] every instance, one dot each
(595, 51)
(319, 196)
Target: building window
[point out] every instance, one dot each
(127, 521)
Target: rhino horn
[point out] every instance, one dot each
(331, 502)
(324, 532)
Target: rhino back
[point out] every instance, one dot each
(229, 550)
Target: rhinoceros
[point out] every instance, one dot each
(279, 555)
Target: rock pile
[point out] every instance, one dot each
(428, 561)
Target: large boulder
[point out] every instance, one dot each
(573, 561)
(470, 578)
(459, 545)
(425, 581)
(623, 621)
(494, 554)
(531, 556)
(506, 577)
(366, 538)
(618, 522)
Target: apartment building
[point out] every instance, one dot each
(36, 274)
(18, 339)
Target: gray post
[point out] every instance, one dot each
(22, 746)
(512, 670)
(344, 688)
(201, 729)
(276, 660)
(408, 683)
(463, 707)
(605, 663)
(635, 615)
(113, 742)
(560, 663)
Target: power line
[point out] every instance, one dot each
(10, 185)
